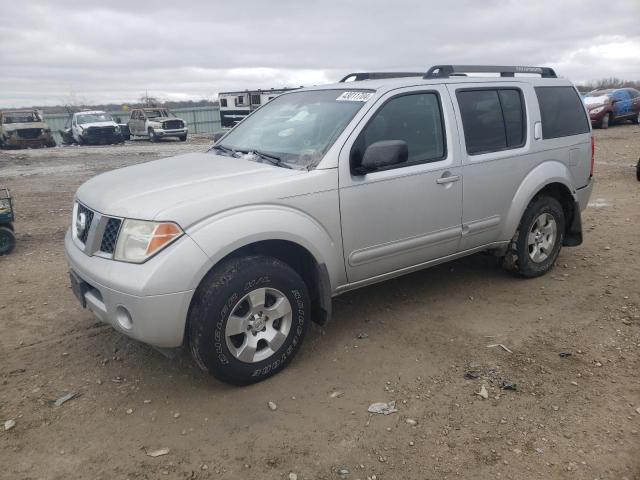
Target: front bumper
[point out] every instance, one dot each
(175, 132)
(156, 294)
(17, 142)
(102, 139)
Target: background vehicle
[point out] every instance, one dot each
(157, 123)
(328, 189)
(24, 128)
(234, 106)
(7, 236)
(91, 128)
(613, 105)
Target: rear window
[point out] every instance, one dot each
(493, 119)
(562, 112)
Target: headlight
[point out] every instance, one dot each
(596, 110)
(140, 240)
(4, 204)
(117, 129)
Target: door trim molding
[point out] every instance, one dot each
(405, 245)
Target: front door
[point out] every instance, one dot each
(410, 213)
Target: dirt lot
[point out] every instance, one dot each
(575, 417)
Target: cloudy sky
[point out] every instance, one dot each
(56, 52)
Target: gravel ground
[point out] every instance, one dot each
(573, 417)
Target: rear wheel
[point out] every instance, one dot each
(604, 123)
(537, 243)
(7, 240)
(248, 319)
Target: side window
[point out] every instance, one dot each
(634, 93)
(134, 115)
(414, 118)
(562, 112)
(223, 102)
(493, 119)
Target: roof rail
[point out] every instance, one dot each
(357, 76)
(444, 71)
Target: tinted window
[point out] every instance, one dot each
(493, 120)
(415, 119)
(634, 93)
(562, 112)
(514, 120)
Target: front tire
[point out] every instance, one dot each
(536, 245)
(248, 319)
(152, 135)
(604, 123)
(183, 138)
(636, 119)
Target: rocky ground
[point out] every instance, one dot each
(424, 341)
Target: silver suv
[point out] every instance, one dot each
(235, 251)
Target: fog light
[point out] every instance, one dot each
(124, 317)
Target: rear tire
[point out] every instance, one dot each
(604, 123)
(536, 245)
(248, 319)
(638, 171)
(7, 240)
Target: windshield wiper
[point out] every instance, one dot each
(273, 159)
(224, 149)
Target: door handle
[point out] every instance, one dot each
(447, 179)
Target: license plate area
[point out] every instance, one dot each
(79, 288)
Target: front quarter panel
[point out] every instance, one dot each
(225, 233)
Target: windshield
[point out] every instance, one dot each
(156, 113)
(21, 117)
(94, 118)
(297, 127)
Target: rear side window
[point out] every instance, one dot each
(562, 112)
(493, 119)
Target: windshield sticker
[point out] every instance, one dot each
(354, 96)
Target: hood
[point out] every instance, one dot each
(184, 189)
(591, 102)
(8, 127)
(99, 124)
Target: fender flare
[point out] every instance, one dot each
(228, 231)
(544, 174)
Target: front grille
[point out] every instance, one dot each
(100, 131)
(110, 236)
(88, 215)
(29, 132)
(172, 124)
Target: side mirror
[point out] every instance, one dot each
(217, 136)
(384, 154)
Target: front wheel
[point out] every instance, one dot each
(7, 240)
(636, 120)
(183, 138)
(604, 123)
(152, 135)
(248, 319)
(536, 245)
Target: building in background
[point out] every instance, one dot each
(234, 106)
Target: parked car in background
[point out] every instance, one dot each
(613, 105)
(91, 128)
(236, 251)
(157, 123)
(23, 129)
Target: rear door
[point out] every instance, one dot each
(494, 145)
(407, 214)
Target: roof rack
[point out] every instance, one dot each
(445, 71)
(357, 76)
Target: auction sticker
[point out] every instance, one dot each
(354, 96)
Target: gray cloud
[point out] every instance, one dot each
(101, 51)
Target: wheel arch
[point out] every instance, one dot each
(552, 179)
